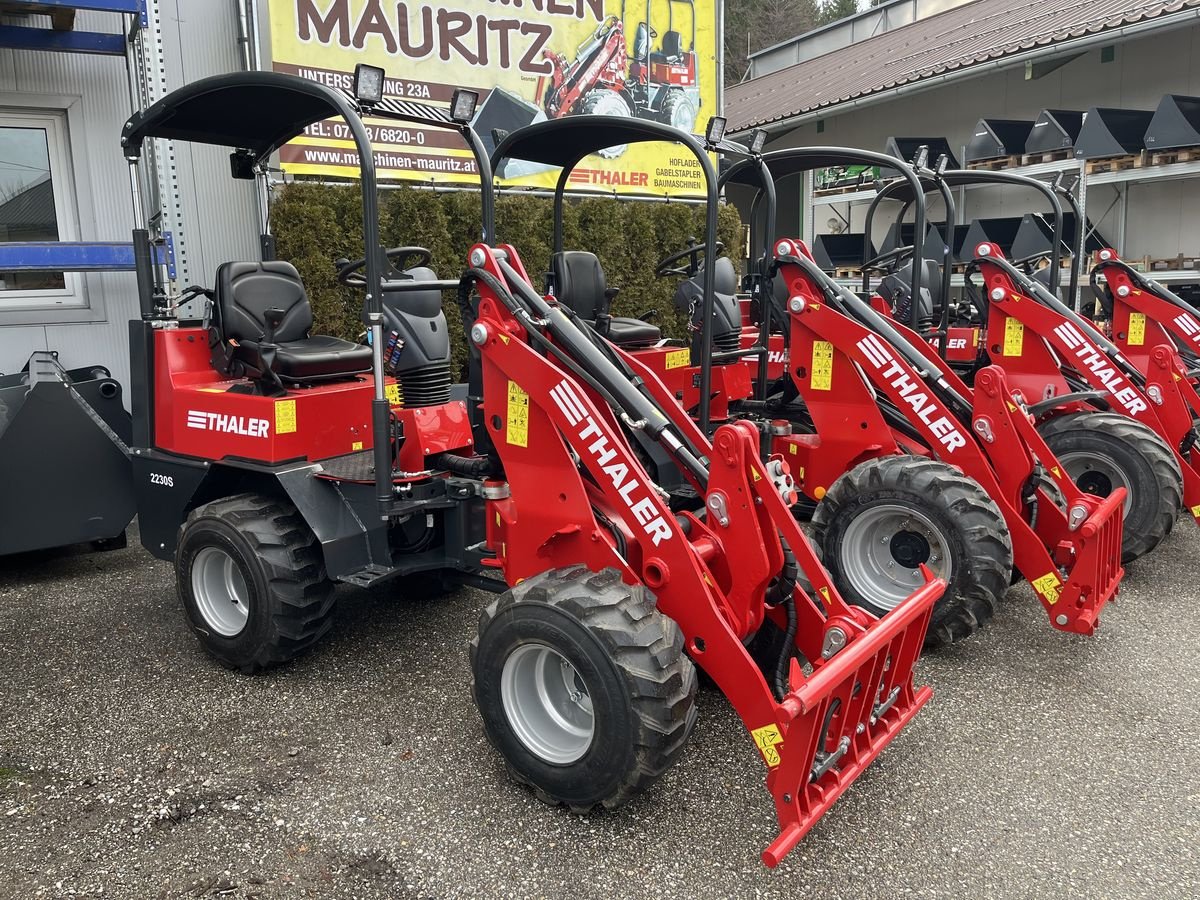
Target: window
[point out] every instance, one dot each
(36, 204)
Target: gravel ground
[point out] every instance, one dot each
(132, 766)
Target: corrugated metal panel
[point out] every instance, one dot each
(957, 39)
(219, 220)
(217, 214)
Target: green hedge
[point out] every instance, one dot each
(314, 224)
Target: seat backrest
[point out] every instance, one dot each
(246, 290)
(579, 282)
(672, 44)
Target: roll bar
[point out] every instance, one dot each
(780, 164)
(566, 142)
(255, 113)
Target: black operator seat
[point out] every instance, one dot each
(246, 290)
(579, 283)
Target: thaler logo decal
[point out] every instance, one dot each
(244, 425)
(605, 457)
(1102, 367)
(913, 393)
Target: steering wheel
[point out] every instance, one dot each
(348, 273)
(890, 260)
(693, 252)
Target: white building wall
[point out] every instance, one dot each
(1163, 218)
(216, 214)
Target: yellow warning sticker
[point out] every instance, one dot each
(356, 446)
(822, 366)
(285, 416)
(974, 337)
(1014, 336)
(792, 449)
(768, 738)
(1137, 329)
(823, 590)
(757, 477)
(679, 359)
(1048, 586)
(1195, 512)
(518, 416)
(392, 393)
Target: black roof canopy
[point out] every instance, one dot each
(255, 111)
(564, 142)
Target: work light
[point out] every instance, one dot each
(368, 84)
(462, 105)
(716, 130)
(757, 140)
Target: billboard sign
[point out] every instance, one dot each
(529, 60)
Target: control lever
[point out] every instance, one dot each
(267, 348)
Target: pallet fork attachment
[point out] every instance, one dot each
(560, 409)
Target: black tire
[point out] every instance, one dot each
(966, 522)
(288, 598)
(640, 685)
(678, 111)
(1149, 468)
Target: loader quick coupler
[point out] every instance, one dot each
(563, 411)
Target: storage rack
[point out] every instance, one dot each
(1124, 178)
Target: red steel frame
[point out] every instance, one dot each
(827, 729)
(831, 359)
(1149, 330)
(1032, 341)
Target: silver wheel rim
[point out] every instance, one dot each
(683, 116)
(220, 591)
(547, 704)
(1097, 474)
(612, 104)
(883, 548)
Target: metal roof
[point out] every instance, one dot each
(955, 40)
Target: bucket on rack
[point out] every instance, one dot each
(994, 138)
(1112, 132)
(1054, 130)
(1176, 124)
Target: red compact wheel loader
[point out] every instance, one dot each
(865, 393)
(1081, 409)
(605, 78)
(626, 546)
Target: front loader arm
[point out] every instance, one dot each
(708, 572)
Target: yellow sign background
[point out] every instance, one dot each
(428, 51)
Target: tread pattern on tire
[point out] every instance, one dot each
(291, 559)
(988, 545)
(1148, 445)
(646, 644)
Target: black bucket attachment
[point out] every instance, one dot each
(839, 251)
(991, 231)
(900, 234)
(906, 148)
(1112, 132)
(63, 451)
(501, 112)
(1054, 130)
(1035, 237)
(994, 138)
(1176, 124)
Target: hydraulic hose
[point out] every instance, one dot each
(1035, 289)
(851, 304)
(577, 352)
